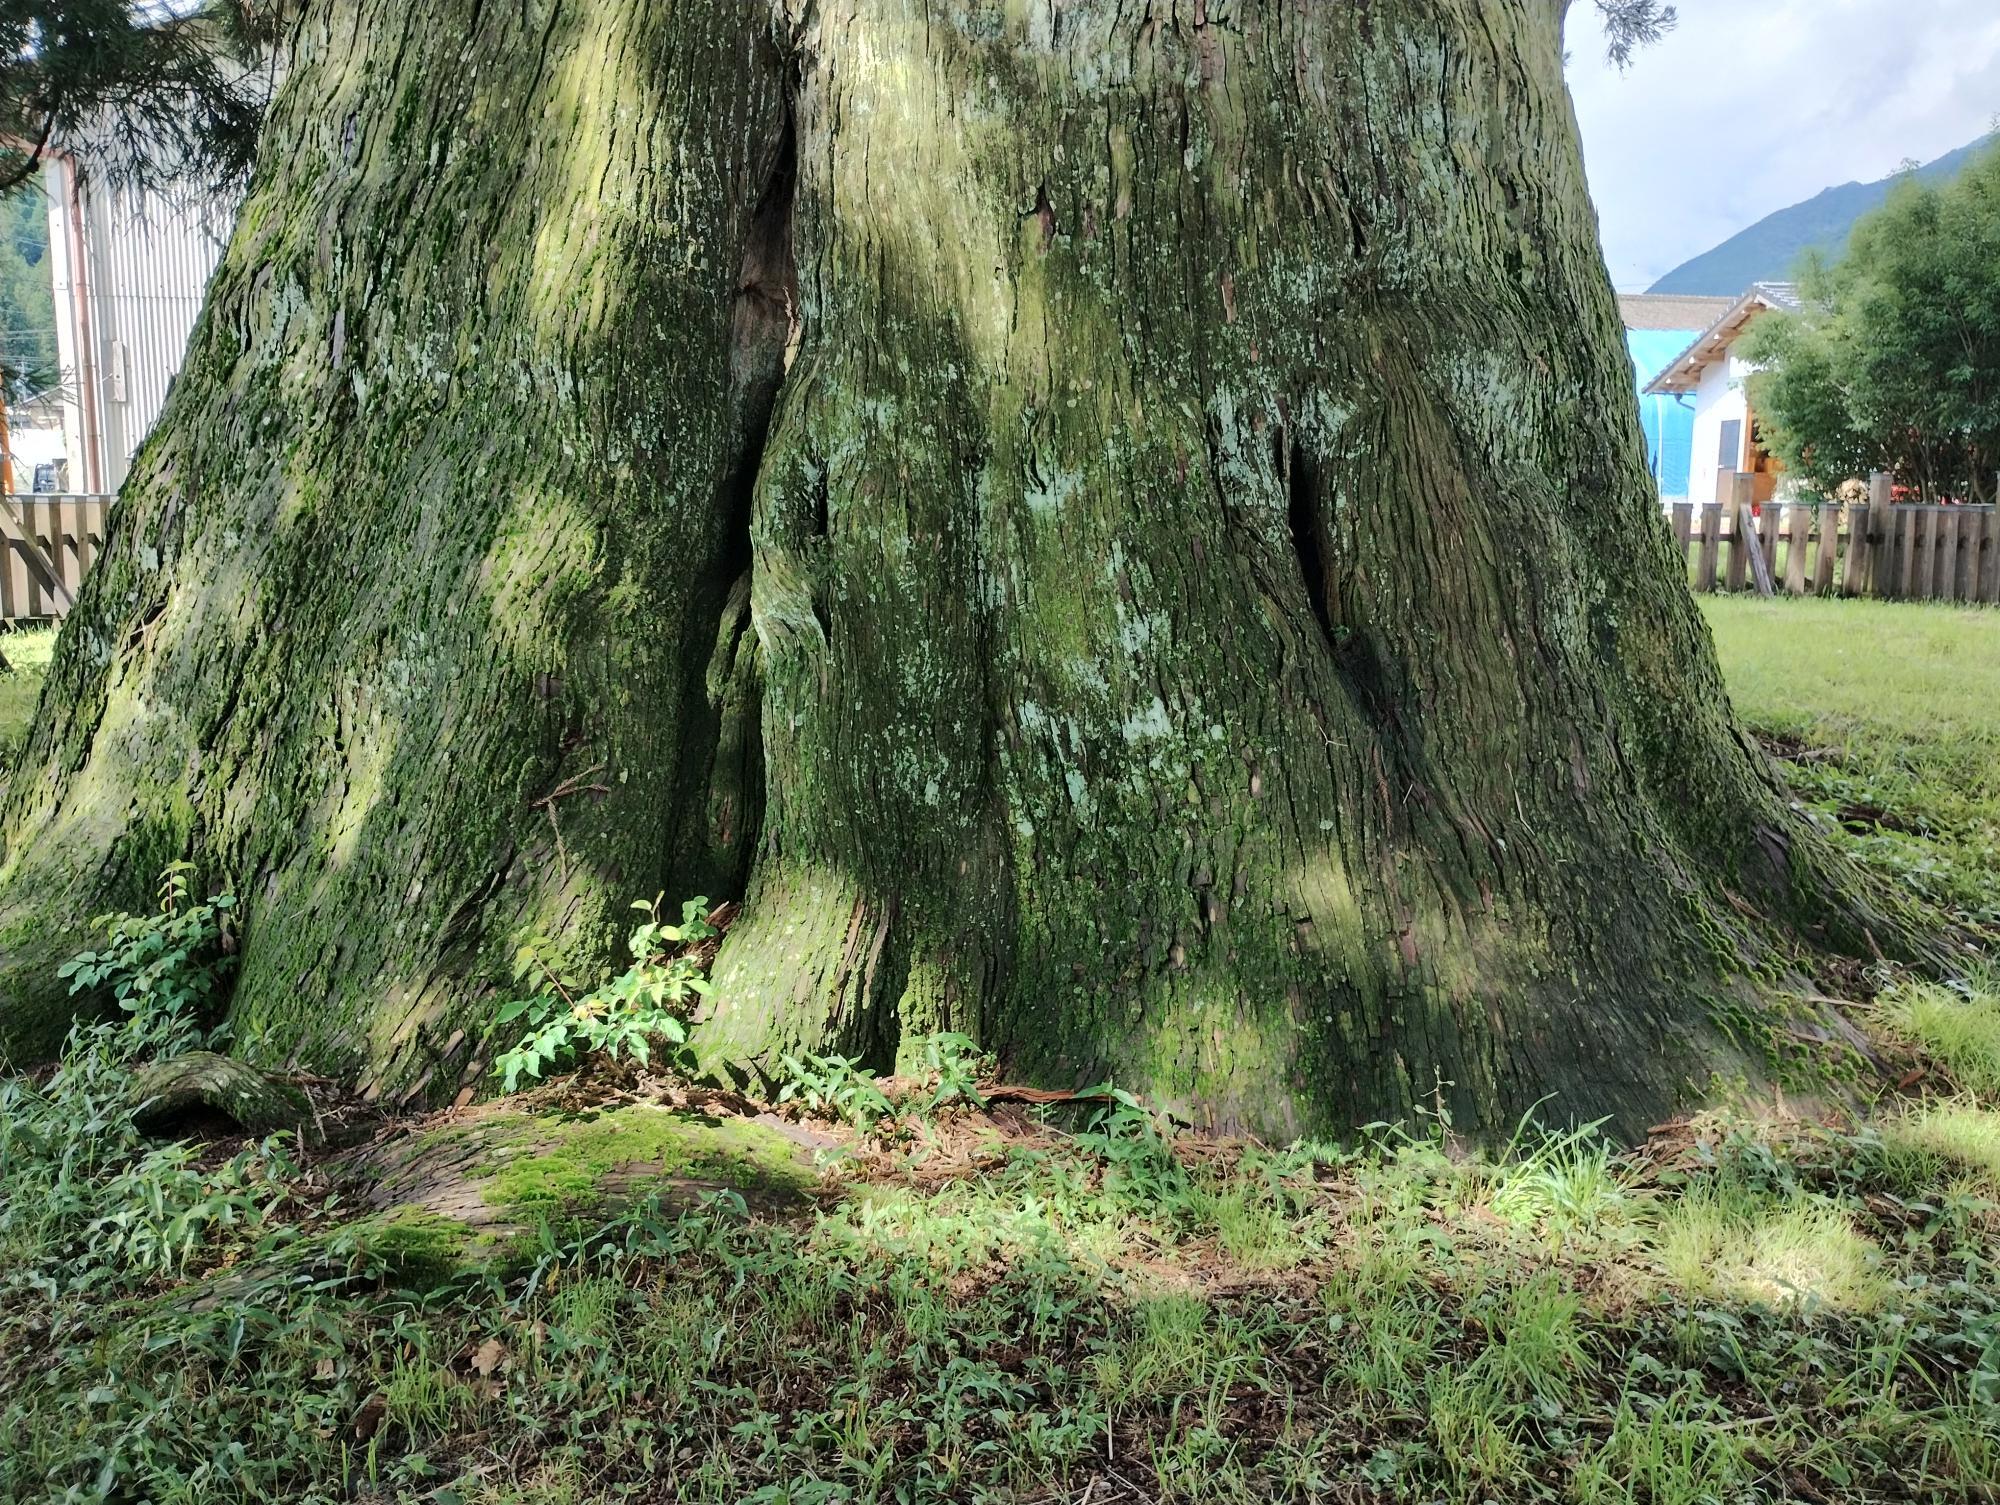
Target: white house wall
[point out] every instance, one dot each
(1718, 400)
(75, 381)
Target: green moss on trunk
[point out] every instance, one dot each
(1219, 631)
(402, 624)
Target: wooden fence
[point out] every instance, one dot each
(1894, 551)
(50, 541)
(1897, 552)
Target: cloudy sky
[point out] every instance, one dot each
(1752, 105)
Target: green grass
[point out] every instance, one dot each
(1729, 1242)
(1958, 1028)
(27, 651)
(1889, 716)
(985, 1313)
(1108, 1313)
(1932, 1145)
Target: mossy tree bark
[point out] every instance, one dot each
(1208, 618)
(405, 621)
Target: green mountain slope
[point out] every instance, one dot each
(1770, 249)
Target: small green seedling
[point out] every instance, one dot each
(650, 1000)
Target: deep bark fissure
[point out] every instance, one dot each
(1303, 515)
(1352, 652)
(728, 794)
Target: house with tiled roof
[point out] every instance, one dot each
(1712, 376)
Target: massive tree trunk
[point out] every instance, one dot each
(1196, 614)
(405, 622)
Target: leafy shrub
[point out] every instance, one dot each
(650, 1000)
(85, 1198)
(169, 963)
(1136, 1144)
(164, 1206)
(87, 1203)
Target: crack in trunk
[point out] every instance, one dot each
(727, 786)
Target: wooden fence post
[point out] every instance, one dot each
(1751, 533)
(1944, 560)
(35, 588)
(1828, 559)
(1711, 546)
(1924, 579)
(1799, 529)
(1861, 517)
(1989, 560)
(1971, 535)
(96, 512)
(1732, 494)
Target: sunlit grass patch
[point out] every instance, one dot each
(1723, 1241)
(1960, 1029)
(1890, 714)
(27, 651)
(959, 1228)
(1569, 1186)
(1933, 1144)
(1260, 1210)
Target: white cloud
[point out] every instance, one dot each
(1751, 105)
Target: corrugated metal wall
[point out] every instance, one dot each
(149, 261)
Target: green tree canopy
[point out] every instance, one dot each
(1893, 363)
(27, 295)
(140, 92)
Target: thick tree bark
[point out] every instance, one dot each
(1210, 622)
(405, 622)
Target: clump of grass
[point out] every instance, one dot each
(1666, 1450)
(1255, 1231)
(1725, 1240)
(1536, 1349)
(1959, 1028)
(1179, 1345)
(1570, 1185)
(1932, 1144)
(1387, 1324)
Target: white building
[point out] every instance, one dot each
(130, 271)
(1713, 373)
(36, 449)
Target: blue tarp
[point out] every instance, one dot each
(1668, 421)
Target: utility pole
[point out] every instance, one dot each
(6, 444)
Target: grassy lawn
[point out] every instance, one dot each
(27, 651)
(1888, 716)
(983, 1306)
(983, 1303)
